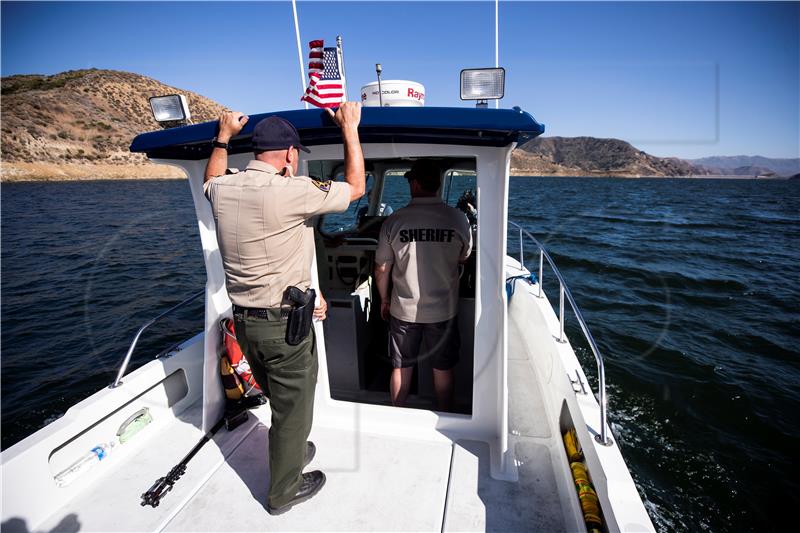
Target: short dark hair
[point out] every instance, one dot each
(427, 173)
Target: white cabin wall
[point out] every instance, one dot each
(217, 303)
(490, 379)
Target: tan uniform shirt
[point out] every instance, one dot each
(424, 242)
(264, 236)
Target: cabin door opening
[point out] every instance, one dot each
(356, 337)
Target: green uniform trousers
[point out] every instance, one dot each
(289, 375)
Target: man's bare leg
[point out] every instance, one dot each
(400, 384)
(443, 384)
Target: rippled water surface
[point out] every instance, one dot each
(691, 288)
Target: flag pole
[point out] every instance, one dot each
(496, 44)
(340, 56)
(299, 51)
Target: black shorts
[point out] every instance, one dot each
(412, 341)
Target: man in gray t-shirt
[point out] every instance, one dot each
(420, 248)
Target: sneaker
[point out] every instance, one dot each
(311, 484)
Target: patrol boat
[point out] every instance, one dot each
(528, 447)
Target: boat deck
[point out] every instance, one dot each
(369, 486)
(374, 482)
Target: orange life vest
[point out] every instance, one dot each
(237, 358)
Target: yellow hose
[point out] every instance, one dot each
(579, 474)
(590, 504)
(572, 446)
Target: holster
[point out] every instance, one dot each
(298, 306)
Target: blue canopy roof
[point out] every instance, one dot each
(431, 125)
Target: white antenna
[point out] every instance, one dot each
(299, 51)
(378, 70)
(496, 44)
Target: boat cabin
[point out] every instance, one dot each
(473, 149)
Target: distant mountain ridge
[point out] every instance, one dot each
(745, 165)
(590, 156)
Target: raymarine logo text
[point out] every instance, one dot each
(415, 94)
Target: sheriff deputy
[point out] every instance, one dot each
(267, 245)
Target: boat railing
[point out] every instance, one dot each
(118, 381)
(565, 294)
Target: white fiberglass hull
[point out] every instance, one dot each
(394, 476)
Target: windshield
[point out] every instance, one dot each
(387, 189)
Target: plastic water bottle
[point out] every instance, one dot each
(76, 469)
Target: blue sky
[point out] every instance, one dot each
(682, 79)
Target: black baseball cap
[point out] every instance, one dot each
(276, 133)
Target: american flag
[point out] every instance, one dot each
(325, 79)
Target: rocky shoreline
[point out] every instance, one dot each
(44, 172)
(18, 171)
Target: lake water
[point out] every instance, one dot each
(690, 287)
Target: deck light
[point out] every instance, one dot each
(482, 84)
(170, 110)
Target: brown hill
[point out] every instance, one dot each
(589, 156)
(79, 124)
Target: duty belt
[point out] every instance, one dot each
(254, 312)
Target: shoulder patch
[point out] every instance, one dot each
(231, 171)
(324, 186)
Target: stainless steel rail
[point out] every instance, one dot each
(118, 381)
(563, 292)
